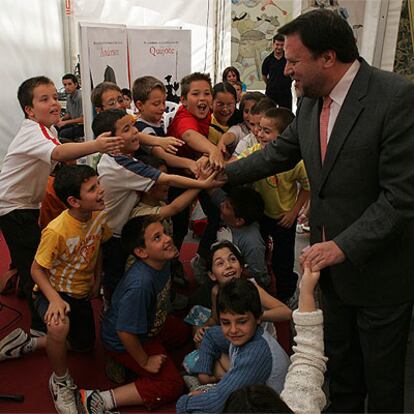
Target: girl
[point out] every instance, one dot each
(231, 75)
(229, 139)
(224, 107)
(225, 263)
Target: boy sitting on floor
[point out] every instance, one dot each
(64, 270)
(137, 331)
(254, 356)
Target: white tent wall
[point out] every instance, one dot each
(31, 44)
(199, 16)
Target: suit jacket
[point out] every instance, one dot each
(363, 194)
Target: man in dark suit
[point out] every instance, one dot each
(355, 131)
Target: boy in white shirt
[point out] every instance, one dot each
(30, 158)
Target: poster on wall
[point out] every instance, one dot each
(163, 53)
(350, 10)
(108, 56)
(103, 56)
(254, 23)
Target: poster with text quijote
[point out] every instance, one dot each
(162, 53)
(108, 57)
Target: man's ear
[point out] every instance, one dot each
(98, 109)
(329, 57)
(73, 201)
(141, 253)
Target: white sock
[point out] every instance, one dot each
(62, 378)
(109, 399)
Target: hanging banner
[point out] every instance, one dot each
(163, 53)
(104, 56)
(108, 56)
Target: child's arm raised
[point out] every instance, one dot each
(168, 144)
(198, 142)
(184, 199)
(275, 310)
(134, 348)
(175, 161)
(103, 143)
(58, 308)
(185, 182)
(306, 289)
(217, 156)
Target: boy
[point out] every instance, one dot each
(122, 178)
(255, 356)
(150, 96)
(108, 95)
(136, 331)
(302, 391)
(283, 202)
(71, 125)
(191, 123)
(30, 158)
(65, 272)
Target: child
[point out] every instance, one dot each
(64, 270)
(191, 124)
(122, 178)
(150, 97)
(128, 102)
(225, 263)
(71, 125)
(31, 157)
(283, 202)
(240, 210)
(224, 105)
(235, 133)
(231, 75)
(256, 113)
(137, 331)
(302, 391)
(238, 86)
(255, 356)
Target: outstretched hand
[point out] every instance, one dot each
(107, 144)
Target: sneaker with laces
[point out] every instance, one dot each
(12, 345)
(92, 402)
(64, 395)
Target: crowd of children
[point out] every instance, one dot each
(121, 227)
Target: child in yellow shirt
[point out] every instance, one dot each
(284, 195)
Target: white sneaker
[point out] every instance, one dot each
(63, 393)
(11, 346)
(92, 402)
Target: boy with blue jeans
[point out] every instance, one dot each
(30, 158)
(254, 356)
(65, 272)
(136, 330)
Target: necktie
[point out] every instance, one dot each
(323, 125)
